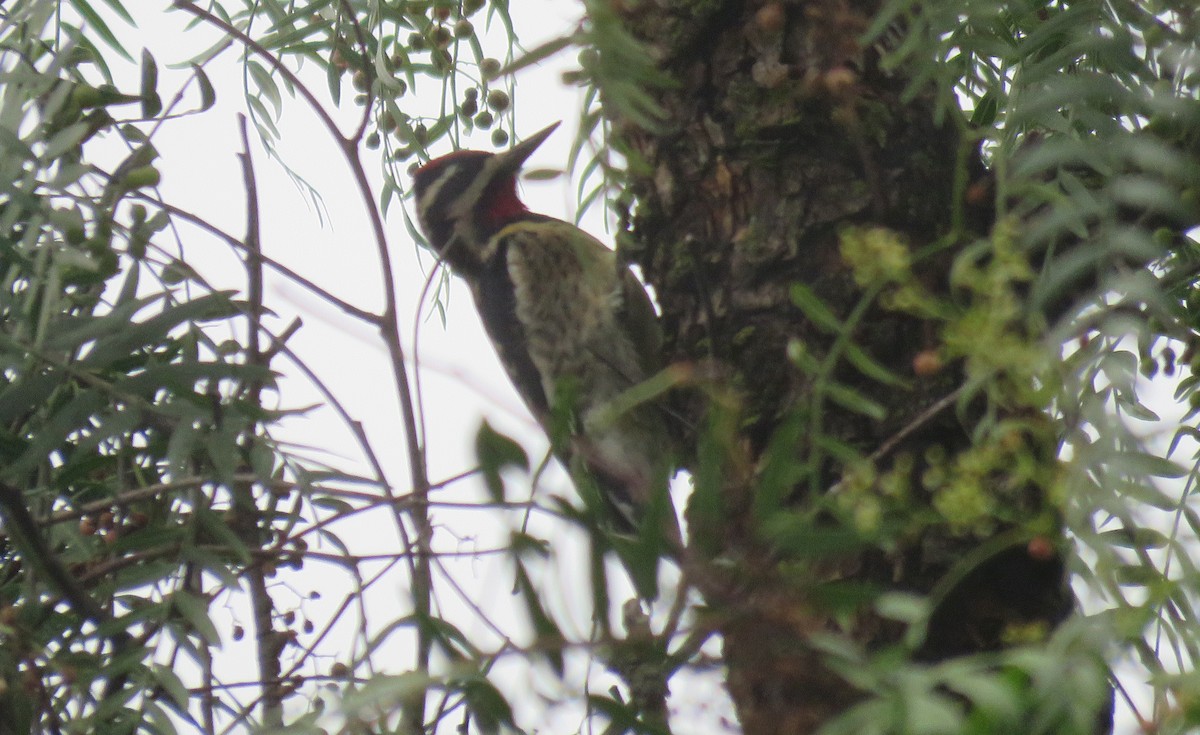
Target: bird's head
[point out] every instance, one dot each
(465, 197)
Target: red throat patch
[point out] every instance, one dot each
(504, 205)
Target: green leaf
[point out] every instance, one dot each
(172, 685)
(1137, 575)
(385, 691)
(1146, 464)
(208, 95)
(64, 140)
(284, 35)
(93, 19)
(125, 336)
(495, 452)
(452, 640)
(1136, 538)
(266, 85)
(902, 606)
(815, 309)
(933, 714)
(53, 433)
(333, 78)
(852, 400)
(549, 636)
(868, 366)
(485, 701)
(158, 719)
(800, 537)
(985, 110)
(262, 118)
(337, 505)
(218, 566)
(27, 393)
(537, 55)
(151, 102)
(215, 527)
(195, 612)
(990, 693)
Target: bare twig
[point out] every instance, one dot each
(341, 304)
(923, 418)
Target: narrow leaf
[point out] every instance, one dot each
(815, 309)
(151, 102)
(208, 95)
(495, 452)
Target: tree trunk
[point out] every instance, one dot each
(781, 137)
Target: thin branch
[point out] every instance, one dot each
(922, 418)
(269, 643)
(369, 317)
(387, 324)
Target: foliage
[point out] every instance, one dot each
(130, 428)
(1087, 114)
(137, 402)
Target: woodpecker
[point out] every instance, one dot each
(573, 327)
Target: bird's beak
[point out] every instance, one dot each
(514, 157)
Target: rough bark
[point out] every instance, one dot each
(780, 133)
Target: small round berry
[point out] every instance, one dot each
(498, 100)
(1040, 548)
(770, 18)
(489, 68)
(441, 37)
(927, 363)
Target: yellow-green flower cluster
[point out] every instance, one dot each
(867, 497)
(877, 256)
(880, 259)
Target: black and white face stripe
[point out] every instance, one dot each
(452, 193)
(448, 191)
